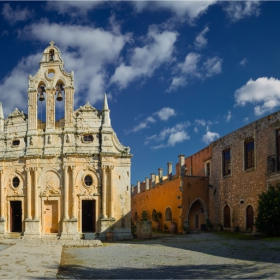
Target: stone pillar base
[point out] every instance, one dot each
(2, 227)
(70, 230)
(32, 229)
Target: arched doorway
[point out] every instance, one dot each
(197, 215)
(227, 217)
(249, 217)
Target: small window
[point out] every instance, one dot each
(51, 55)
(16, 142)
(168, 215)
(88, 180)
(16, 182)
(249, 154)
(226, 162)
(154, 213)
(88, 138)
(208, 169)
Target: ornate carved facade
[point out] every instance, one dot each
(66, 178)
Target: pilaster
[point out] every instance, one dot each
(111, 191)
(50, 109)
(2, 204)
(68, 106)
(104, 192)
(32, 110)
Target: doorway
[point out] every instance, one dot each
(15, 214)
(227, 217)
(51, 216)
(196, 221)
(88, 215)
(249, 217)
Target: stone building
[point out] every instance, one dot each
(68, 177)
(221, 182)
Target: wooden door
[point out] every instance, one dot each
(227, 216)
(51, 216)
(88, 216)
(196, 221)
(15, 216)
(249, 217)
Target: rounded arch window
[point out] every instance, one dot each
(15, 182)
(168, 215)
(88, 180)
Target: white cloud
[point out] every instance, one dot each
(195, 130)
(200, 122)
(145, 60)
(237, 10)
(210, 137)
(165, 113)
(184, 10)
(173, 135)
(246, 119)
(18, 14)
(189, 66)
(85, 50)
(73, 8)
(200, 41)
(14, 86)
(228, 117)
(243, 61)
(176, 82)
(264, 90)
(212, 66)
(177, 137)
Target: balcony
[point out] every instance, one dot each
(273, 163)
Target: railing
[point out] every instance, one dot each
(273, 163)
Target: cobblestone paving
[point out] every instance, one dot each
(34, 259)
(204, 255)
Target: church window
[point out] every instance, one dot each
(168, 215)
(16, 182)
(88, 138)
(51, 55)
(15, 142)
(249, 154)
(226, 162)
(88, 180)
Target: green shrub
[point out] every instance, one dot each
(268, 219)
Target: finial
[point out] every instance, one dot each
(51, 43)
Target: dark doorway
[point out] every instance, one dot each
(196, 221)
(249, 217)
(15, 216)
(226, 216)
(88, 215)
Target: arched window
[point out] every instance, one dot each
(227, 216)
(51, 55)
(154, 213)
(249, 217)
(168, 215)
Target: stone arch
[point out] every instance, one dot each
(50, 181)
(249, 217)
(197, 207)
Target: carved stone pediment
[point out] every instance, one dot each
(17, 113)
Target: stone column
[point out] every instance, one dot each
(169, 170)
(28, 192)
(181, 165)
(160, 174)
(147, 181)
(36, 196)
(68, 106)
(32, 109)
(153, 179)
(104, 183)
(111, 191)
(66, 194)
(73, 193)
(50, 108)
(2, 193)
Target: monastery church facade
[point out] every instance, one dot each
(68, 178)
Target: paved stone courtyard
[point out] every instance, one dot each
(204, 255)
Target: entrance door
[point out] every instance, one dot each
(196, 221)
(15, 214)
(249, 217)
(226, 216)
(51, 216)
(88, 215)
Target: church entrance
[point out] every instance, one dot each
(51, 216)
(88, 215)
(15, 214)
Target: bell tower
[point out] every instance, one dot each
(51, 84)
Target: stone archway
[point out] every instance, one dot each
(197, 215)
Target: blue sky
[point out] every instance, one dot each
(178, 74)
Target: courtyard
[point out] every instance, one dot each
(220, 255)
